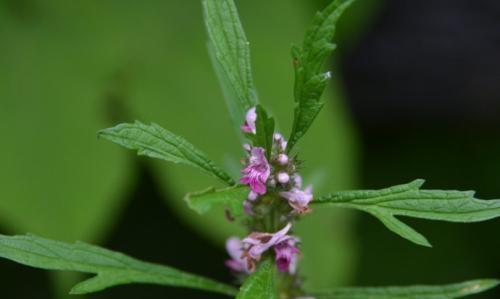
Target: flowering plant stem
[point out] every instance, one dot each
(270, 196)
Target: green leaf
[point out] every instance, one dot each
(230, 48)
(449, 291)
(264, 130)
(111, 268)
(308, 60)
(231, 197)
(261, 284)
(155, 142)
(409, 200)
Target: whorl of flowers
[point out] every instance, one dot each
(276, 198)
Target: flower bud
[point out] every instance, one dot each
(282, 159)
(283, 177)
(272, 182)
(252, 196)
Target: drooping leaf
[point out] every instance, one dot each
(265, 130)
(449, 291)
(308, 60)
(261, 284)
(230, 48)
(231, 197)
(156, 142)
(111, 268)
(409, 200)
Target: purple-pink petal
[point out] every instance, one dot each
(280, 141)
(286, 253)
(298, 199)
(234, 248)
(257, 242)
(249, 125)
(235, 265)
(257, 171)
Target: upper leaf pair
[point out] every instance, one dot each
(229, 50)
(231, 57)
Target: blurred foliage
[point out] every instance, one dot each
(70, 68)
(57, 180)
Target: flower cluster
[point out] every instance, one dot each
(272, 175)
(279, 174)
(245, 253)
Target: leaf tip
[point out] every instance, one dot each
(481, 285)
(417, 183)
(491, 282)
(100, 132)
(77, 289)
(426, 243)
(419, 239)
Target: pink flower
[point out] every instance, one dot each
(257, 171)
(249, 125)
(286, 255)
(299, 199)
(297, 181)
(236, 263)
(280, 141)
(257, 243)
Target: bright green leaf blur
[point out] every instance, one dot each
(57, 178)
(72, 68)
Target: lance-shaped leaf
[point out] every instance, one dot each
(231, 197)
(409, 200)
(261, 284)
(156, 142)
(308, 60)
(111, 268)
(230, 51)
(449, 291)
